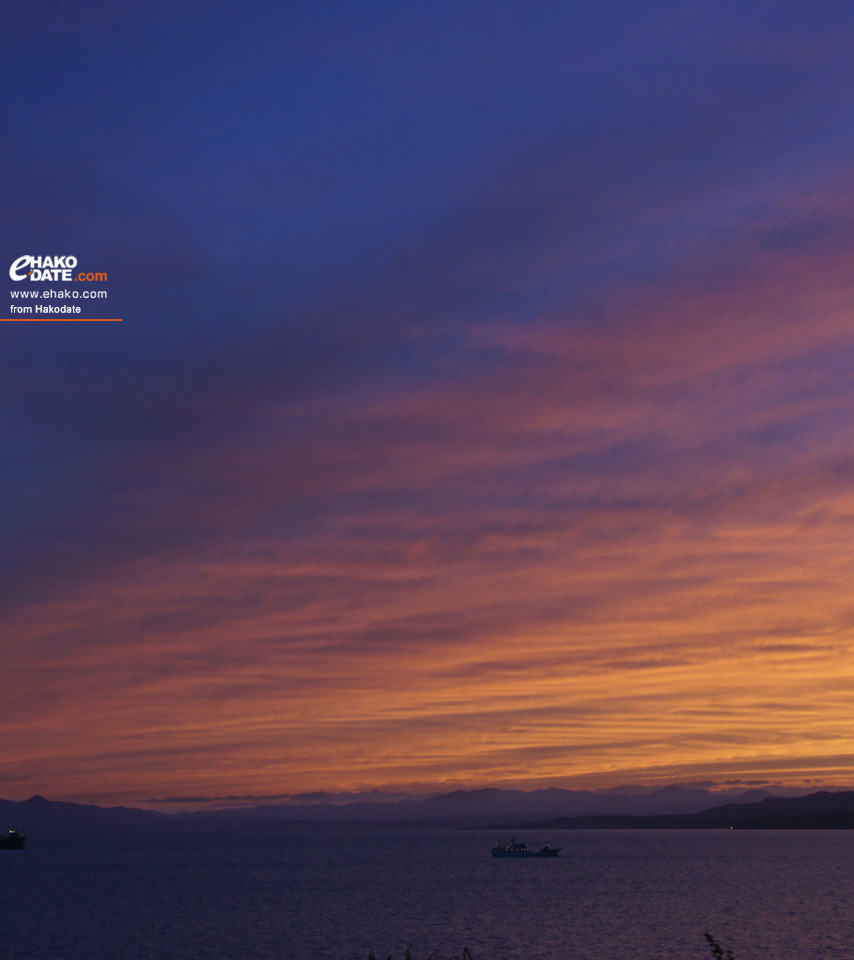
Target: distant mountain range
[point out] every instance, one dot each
(548, 809)
(816, 811)
(38, 815)
(483, 807)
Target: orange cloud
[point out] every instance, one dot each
(609, 547)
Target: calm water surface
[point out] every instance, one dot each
(611, 895)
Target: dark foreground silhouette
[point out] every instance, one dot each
(718, 952)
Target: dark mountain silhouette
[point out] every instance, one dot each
(482, 807)
(550, 809)
(38, 815)
(813, 803)
(816, 811)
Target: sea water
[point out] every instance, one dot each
(337, 895)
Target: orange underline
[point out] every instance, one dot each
(54, 319)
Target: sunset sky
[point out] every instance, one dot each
(482, 412)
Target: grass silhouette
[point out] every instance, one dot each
(718, 952)
(717, 949)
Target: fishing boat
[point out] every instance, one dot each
(519, 849)
(13, 840)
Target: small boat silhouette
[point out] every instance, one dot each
(13, 840)
(517, 848)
